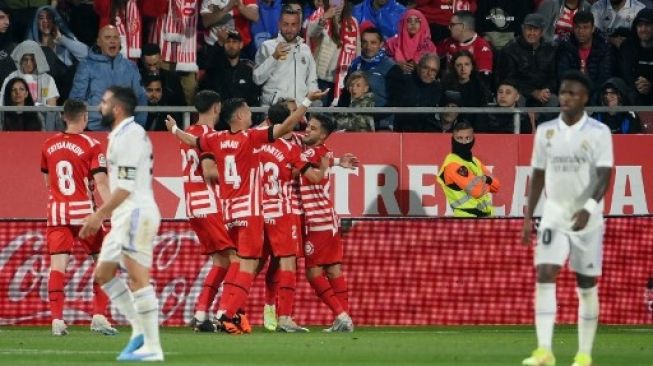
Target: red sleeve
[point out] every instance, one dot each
(98, 161)
(483, 56)
(296, 159)
(249, 2)
(204, 142)
(260, 136)
(44, 162)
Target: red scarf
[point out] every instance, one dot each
(176, 34)
(128, 22)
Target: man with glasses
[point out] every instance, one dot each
(464, 37)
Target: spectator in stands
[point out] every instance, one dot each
(614, 93)
(507, 97)
(18, 95)
(285, 67)
(151, 66)
(446, 120)
(103, 67)
(499, 20)
(463, 77)
(7, 44)
(384, 14)
(334, 37)
(439, 12)
(412, 42)
(82, 19)
(22, 13)
(125, 15)
(228, 74)
(33, 68)
(615, 18)
(361, 97)
(419, 89)
(266, 27)
(157, 97)
(530, 62)
(464, 37)
(636, 58)
(558, 18)
(587, 50)
(235, 14)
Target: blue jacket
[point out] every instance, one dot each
(267, 25)
(97, 73)
(385, 19)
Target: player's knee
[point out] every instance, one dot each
(333, 271)
(547, 273)
(585, 281)
(100, 277)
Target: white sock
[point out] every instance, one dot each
(121, 297)
(200, 315)
(147, 308)
(588, 317)
(545, 313)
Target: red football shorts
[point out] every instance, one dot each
(322, 248)
(283, 235)
(212, 233)
(60, 240)
(247, 234)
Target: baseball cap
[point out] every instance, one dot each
(535, 20)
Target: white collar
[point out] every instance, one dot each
(575, 127)
(120, 126)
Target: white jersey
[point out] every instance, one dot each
(130, 166)
(570, 156)
(607, 19)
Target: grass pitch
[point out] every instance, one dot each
(456, 346)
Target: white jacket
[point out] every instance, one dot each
(293, 77)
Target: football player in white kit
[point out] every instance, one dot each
(572, 159)
(135, 221)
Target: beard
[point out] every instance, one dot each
(107, 119)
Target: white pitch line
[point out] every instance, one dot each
(31, 351)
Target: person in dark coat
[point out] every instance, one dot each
(613, 93)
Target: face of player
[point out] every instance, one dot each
(358, 88)
(45, 22)
(370, 44)
(289, 26)
(154, 92)
(19, 93)
(463, 66)
(28, 64)
(507, 96)
(464, 136)
(531, 34)
(572, 97)
(232, 48)
(413, 24)
(610, 97)
(152, 64)
(106, 109)
(644, 31)
(4, 22)
(583, 32)
(109, 41)
(314, 133)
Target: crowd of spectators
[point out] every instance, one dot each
(369, 53)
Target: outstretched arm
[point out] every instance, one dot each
(183, 136)
(289, 124)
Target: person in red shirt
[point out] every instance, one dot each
(73, 164)
(238, 172)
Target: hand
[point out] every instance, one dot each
(580, 219)
(281, 51)
(407, 67)
(170, 122)
(349, 161)
(92, 224)
(317, 94)
(488, 180)
(527, 231)
(222, 35)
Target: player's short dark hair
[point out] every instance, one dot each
(205, 99)
(278, 112)
(124, 96)
(327, 123)
(579, 77)
(462, 125)
(73, 108)
(583, 16)
(230, 107)
(150, 49)
(373, 30)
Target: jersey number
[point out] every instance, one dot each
(272, 185)
(231, 172)
(65, 178)
(190, 157)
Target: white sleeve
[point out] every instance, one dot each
(538, 159)
(129, 151)
(604, 156)
(53, 91)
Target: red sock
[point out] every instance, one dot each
(324, 291)
(56, 294)
(271, 283)
(339, 286)
(210, 288)
(287, 283)
(100, 300)
(228, 287)
(240, 289)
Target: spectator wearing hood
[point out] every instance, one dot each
(33, 68)
(7, 44)
(412, 42)
(384, 14)
(636, 57)
(104, 67)
(613, 93)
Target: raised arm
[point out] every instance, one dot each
(289, 124)
(184, 137)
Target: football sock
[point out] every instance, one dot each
(100, 300)
(588, 317)
(147, 309)
(240, 289)
(56, 294)
(545, 313)
(210, 288)
(271, 285)
(228, 291)
(287, 283)
(339, 286)
(121, 297)
(324, 291)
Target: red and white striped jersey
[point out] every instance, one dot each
(318, 209)
(238, 166)
(296, 198)
(277, 163)
(201, 198)
(71, 160)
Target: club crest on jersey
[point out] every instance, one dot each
(585, 145)
(309, 153)
(549, 133)
(309, 249)
(126, 172)
(102, 161)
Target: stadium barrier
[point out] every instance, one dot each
(418, 271)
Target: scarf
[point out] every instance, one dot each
(176, 34)
(363, 63)
(403, 47)
(129, 26)
(462, 150)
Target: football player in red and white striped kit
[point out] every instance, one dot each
(323, 250)
(203, 208)
(73, 164)
(238, 169)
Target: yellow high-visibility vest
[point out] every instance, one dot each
(458, 199)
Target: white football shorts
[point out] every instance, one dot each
(584, 250)
(132, 234)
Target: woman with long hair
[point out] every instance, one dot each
(463, 76)
(17, 94)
